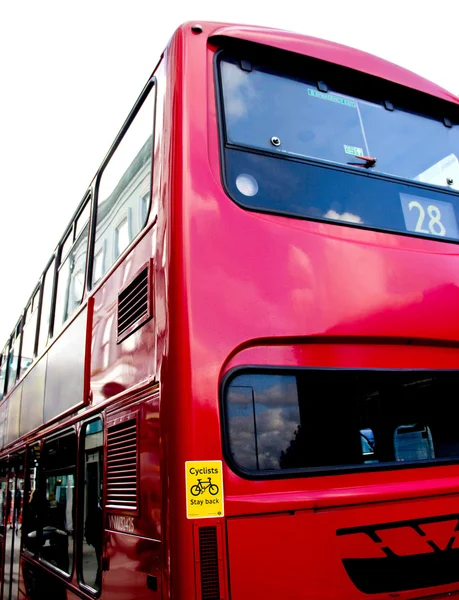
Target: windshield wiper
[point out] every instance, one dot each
(369, 162)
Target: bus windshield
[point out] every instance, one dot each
(268, 111)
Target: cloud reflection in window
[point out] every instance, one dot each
(273, 400)
(347, 217)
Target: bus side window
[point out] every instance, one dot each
(45, 313)
(90, 547)
(3, 495)
(56, 502)
(72, 267)
(3, 365)
(31, 512)
(124, 181)
(29, 333)
(13, 360)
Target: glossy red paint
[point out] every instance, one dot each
(259, 289)
(234, 288)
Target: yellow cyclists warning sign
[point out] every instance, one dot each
(204, 489)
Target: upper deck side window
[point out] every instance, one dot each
(122, 208)
(29, 333)
(3, 368)
(13, 358)
(372, 157)
(72, 268)
(124, 186)
(46, 302)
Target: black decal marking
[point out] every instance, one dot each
(393, 573)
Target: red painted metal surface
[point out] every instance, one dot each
(272, 286)
(233, 288)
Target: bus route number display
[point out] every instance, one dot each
(204, 489)
(429, 217)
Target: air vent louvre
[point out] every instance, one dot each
(122, 465)
(208, 553)
(134, 305)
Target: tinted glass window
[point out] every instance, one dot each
(355, 140)
(91, 543)
(305, 419)
(70, 283)
(52, 505)
(47, 295)
(261, 105)
(3, 366)
(124, 181)
(34, 505)
(13, 361)
(3, 496)
(28, 336)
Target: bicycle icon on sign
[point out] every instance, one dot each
(200, 488)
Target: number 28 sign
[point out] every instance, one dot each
(429, 217)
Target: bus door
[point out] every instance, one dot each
(14, 502)
(3, 497)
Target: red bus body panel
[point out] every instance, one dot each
(269, 290)
(232, 288)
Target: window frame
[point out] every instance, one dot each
(324, 471)
(403, 96)
(33, 448)
(150, 87)
(41, 482)
(15, 336)
(51, 268)
(32, 307)
(4, 356)
(81, 491)
(74, 234)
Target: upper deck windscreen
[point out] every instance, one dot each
(305, 120)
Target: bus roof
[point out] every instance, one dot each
(327, 51)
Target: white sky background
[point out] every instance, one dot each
(71, 71)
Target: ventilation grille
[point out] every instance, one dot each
(208, 553)
(122, 465)
(134, 305)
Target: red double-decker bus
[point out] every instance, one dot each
(235, 378)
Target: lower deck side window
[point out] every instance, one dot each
(92, 539)
(51, 508)
(321, 419)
